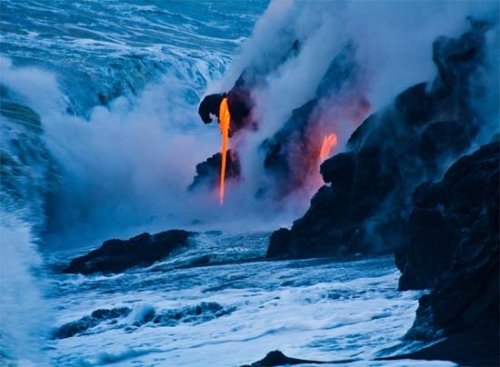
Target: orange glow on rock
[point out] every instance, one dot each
(224, 123)
(329, 142)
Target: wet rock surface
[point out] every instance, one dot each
(198, 314)
(87, 322)
(115, 255)
(277, 358)
(194, 315)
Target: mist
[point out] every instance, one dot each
(393, 51)
(23, 311)
(127, 167)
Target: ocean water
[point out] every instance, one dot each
(100, 138)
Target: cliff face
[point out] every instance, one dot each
(388, 191)
(454, 248)
(367, 199)
(455, 221)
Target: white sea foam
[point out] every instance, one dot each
(311, 309)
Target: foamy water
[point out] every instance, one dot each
(315, 309)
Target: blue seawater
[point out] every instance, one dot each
(100, 50)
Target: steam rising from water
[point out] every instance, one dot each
(393, 49)
(129, 164)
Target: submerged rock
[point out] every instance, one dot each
(277, 358)
(115, 255)
(195, 315)
(87, 322)
(367, 199)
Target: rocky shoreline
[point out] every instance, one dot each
(395, 190)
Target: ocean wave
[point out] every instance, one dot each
(102, 51)
(24, 314)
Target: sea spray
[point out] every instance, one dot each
(24, 314)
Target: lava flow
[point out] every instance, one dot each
(224, 122)
(329, 141)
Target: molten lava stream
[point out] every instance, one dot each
(329, 142)
(224, 122)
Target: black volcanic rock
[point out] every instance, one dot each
(87, 322)
(453, 247)
(454, 221)
(208, 172)
(368, 197)
(198, 314)
(240, 104)
(115, 255)
(277, 358)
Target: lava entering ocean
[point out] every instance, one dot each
(224, 121)
(329, 142)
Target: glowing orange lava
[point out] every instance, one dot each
(224, 122)
(329, 142)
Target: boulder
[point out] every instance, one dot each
(115, 256)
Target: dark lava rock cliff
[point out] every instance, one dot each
(391, 191)
(454, 248)
(367, 199)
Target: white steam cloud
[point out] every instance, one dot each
(128, 167)
(393, 42)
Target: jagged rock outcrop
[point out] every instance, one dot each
(208, 172)
(454, 222)
(365, 206)
(454, 248)
(240, 105)
(115, 255)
